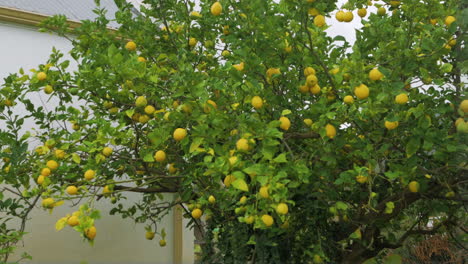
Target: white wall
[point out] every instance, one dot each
(118, 240)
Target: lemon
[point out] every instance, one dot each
(107, 151)
(130, 46)
(45, 172)
(242, 144)
(401, 98)
(313, 11)
(239, 67)
(171, 168)
(225, 53)
(90, 233)
(149, 235)
(362, 12)
(141, 59)
(162, 243)
(160, 156)
(315, 89)
(149, 109)
(40, 179)
(375, 75)
(348, 99)
(243, 200)
(48, 89)
(308, 121)
(229, 180)
(73, 221)
(308, 71)
(267, 220)
(180, 134)
(114, 110)
(60, 154)
(264, 192)
(285, 124)
(72, 190)
(141, 101)
(391, 125)
(452, 42)
(330, 131)
(233, 160)
(381, 11)
(52, 164)
(89, 174)
(361, 179)
(257, 102)
(272, 71)
(143, 119)
(433, 21)
(195, 14)
(311, 80)
(319, 21)
(464, 106)
(211, 199)
(106, 190)
(348, 16)
(193, 42)
(216, 9)
(361, 91)
(249, 220)
(48, 203)
(340, 16)
(41, 76)
(197, 213)
(282, 209)
(449, 20)
(413, 186)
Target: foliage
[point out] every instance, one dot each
(166, 104)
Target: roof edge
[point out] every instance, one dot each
(27, 18)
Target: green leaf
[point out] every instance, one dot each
(286, 112)
(241, 185)
(341, 206)
(393, 259)
(148, 157)
(195, 144)
(412, 146)
(76, 158)
(281, 158)
(60, 224)
(130, 112)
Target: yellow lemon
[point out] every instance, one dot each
(272, 71)
(257, 102)
(160, 156)
(162, 243)
(48, 203)
(130, 46)
(308, 121)
(264, 192)
(361, 179)
(284, 123)
(330, 131)
(313, 11)
(242, 144)
(149, 109)
(348, 99)
(340, 16)
(267, 220)
(40, 179)
(361, 91)
(52, 164)
(141, 101)
(216, 9)
(239, 67)
(348, 16)
(141, 59)
(45, 172)
(72, 190)
(381, 11)
(315, 89)
(391, 125)
(228, 180)
(89, 174)
(60, 154)
(375, 75)
(211, 199)
(171, 168)
(401, 98)
(149, 235)
(180, 134)
(282, 209)
(243, 200)
(449, 20)
(362, 12)
(193, 42)
(319, 21)
(90, 233)
(464, 106)
(311, 80)
(413, 186)
(197, 213)
(107, 151)
(73, 221)
(48, 89)
(41, 76)
(308, 71)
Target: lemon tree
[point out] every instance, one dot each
(281, 142)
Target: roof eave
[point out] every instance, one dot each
(27, 18)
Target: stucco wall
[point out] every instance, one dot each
(118, 240)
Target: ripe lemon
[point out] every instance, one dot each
(48, 203)
(249, 220)
(141, 101)
(285, 124)
(216, 9)
(72, 190)
(361, 179)
(464, 106)
(313, 11)
(48, 89)
(106, 190)
(267, 220)
(107, 151)
(228, 180)
(193, 42)
(60, 154)
(401, 98)
(239, 67)
(311, 80)
(233, 160)
(149, 109)
(197, 213)
(242, 144)
(413, 186)
(90, 233)
(308, 121)
(361, 91)
(315, 89)
(282, 209)
(114, 110)
(73, 221)
(141, 59)
(452, 42)
(348, 99)
(319, 21)
(449, 20)
(211, 199)
(348, 16)
(391, 125)
(180, 134)
(362, 12)
(45, 172)
(130, 46)
(340, 16)
(264, 192)
(195, 14)
(149, 235)
(41, 76)
(52, 164)
(143, 119)
(375, 75)
(40, 179)
(225, 53)
(330, 131)
(272, 71)
(162, 243)
(257, 102)
(433, 21)
(171, 168)
(308, 71)
(89, 174)
(243, 200)
(160, 156)
(381, 11)
(209, 105)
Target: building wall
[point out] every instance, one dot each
(118, 240)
